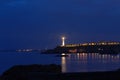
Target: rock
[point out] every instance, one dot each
(30, 72)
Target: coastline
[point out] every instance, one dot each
(53, 72)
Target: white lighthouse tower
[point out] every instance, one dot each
(63, 41)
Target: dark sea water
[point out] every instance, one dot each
(10, 59)
(84, 62)
(90, 62)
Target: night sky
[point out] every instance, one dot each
(40, 24)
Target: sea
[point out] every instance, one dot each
(74, 62)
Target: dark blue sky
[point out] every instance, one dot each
(41, 23)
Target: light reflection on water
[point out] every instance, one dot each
(80, 62)
(63, 64)
(89, 62)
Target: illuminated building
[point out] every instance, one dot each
(63, 41)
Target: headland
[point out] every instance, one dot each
(92, 47)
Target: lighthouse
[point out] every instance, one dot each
(63, 41)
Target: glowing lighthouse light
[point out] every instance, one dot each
(63, 41)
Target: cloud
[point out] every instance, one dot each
(38, 17)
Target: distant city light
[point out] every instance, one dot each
(90, 44)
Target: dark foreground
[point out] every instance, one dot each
(53, 72)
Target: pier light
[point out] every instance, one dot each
(63, 41)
